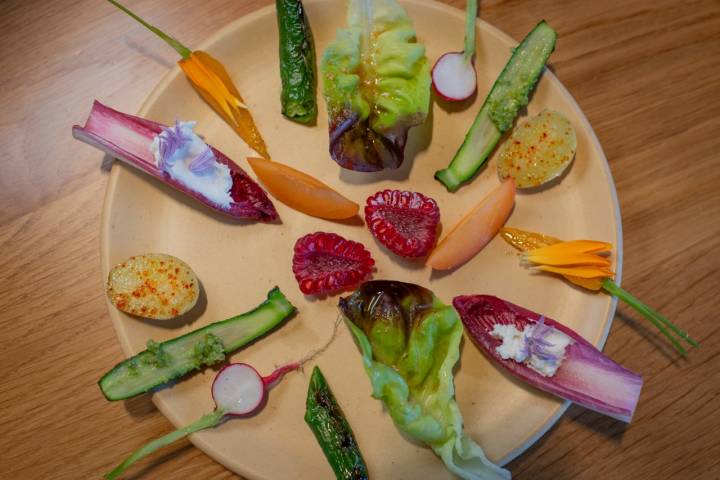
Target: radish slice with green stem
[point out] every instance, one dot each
(453, 75)
(238, 391)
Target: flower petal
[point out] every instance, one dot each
(205, 79)
(573, 247)
(582, 272)
(571, 259)
(206, 73)
(524, 240)
(589, 283)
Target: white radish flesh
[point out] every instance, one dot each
(238, 389)
(453, 77)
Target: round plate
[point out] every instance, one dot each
(238, 262)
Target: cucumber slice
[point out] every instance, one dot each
(508, 95)
(332, 430)
(166, 361)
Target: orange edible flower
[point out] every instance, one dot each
(214, 85)
(577, 260)
(580, 263)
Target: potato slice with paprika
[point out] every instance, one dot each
(302, 192)
(153, 285)
(539, 150)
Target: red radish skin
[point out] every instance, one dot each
(454, 78)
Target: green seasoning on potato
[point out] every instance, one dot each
(509, 94)
(297, 62)
(166, 361)
(332, 430)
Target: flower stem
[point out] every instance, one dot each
(471, 16)
(206, 421)
(659, 320)
(174, 43)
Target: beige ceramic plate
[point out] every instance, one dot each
(238, 263)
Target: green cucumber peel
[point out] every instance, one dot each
(332, 430)
(169, 360)
(297, 62)
(509, 94)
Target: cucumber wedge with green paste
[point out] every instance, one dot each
(509, 94)
(166, 361)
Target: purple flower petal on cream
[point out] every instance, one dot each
(203, 163)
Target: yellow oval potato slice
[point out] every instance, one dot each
(538, 150)
(153, 285)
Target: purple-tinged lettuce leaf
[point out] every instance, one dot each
(128, 138)
(410, 343)
(585, 376)
(376, 82)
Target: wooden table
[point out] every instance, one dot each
(647, 75)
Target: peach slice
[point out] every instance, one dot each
(475, 230)
(302, 192)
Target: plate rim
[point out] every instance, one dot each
(105, 228)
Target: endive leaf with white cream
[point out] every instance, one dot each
(549, 355)
(178, 157)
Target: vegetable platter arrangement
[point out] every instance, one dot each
(338, 185)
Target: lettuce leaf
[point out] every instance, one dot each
(410, 342)
(376, 82)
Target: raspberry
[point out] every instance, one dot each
(405, 222)
(326, 262)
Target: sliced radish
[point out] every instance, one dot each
(453, 75)
(238, 390)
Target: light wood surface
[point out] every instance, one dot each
(645, 73)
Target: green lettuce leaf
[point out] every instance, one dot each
(410, 342)
(376, 82)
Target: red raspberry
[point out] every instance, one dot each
(326, 262)
(405, 222)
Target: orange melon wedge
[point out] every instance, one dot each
(475, 230)
(302, 192)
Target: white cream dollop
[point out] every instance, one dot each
(213, 181)
(518, 346)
